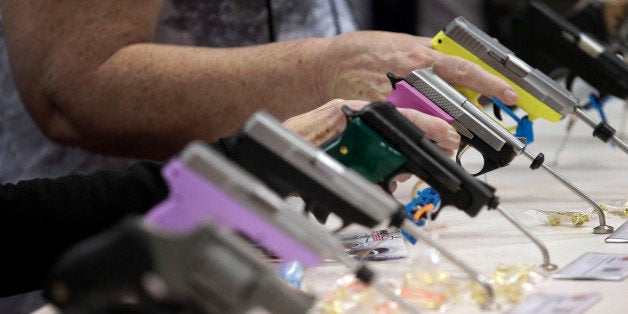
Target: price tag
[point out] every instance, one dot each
(620, 235)
(600, 266)
(556, 303)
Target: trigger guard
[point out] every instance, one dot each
(385, 183)
(486, 167)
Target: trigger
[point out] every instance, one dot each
(497, 112)
(319, 213)
(461, 150)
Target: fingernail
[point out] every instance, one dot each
(510, 96)
(453, 137)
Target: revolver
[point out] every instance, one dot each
(539, 95)
(201, 176)
(183, 245)
(548, 40)
(425, 91)
(137, 268)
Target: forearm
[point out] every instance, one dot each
(90, 76)
(149, 100)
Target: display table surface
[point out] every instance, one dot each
(489, 239)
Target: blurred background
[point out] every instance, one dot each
(602, 19)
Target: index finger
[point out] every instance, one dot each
(458, 71)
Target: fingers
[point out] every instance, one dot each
(425, 41)
(324, 122)
(353, 104)
(403, 177)
(458, 71)
(435, 129)
(392, 187)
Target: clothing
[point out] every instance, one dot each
(26, 153)
(245, 23)
(42, 218)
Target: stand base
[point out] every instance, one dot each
(603, 229)
(549, 267)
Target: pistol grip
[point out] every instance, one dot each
(366, 152)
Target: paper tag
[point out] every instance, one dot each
(378, 245)
(620, 235)
(556, 303)
(600, 266)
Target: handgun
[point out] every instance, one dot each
(547, 40)
(425, 91)
(274, 163)
(206, 188)
(606, 21)
(373, 143)
(289, 165)
(380, 143)
(135, 267)
(539, 95)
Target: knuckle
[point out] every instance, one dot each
(463, 70)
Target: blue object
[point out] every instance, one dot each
(524, 125)
(424, 197)
(293, 272)
(593, 101)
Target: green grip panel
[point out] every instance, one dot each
(366, 152)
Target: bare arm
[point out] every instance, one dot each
(90, 76)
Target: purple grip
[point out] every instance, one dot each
(406, 96)
(193, 201)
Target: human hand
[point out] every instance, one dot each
(323, 123)
(327, 121)
(355, 66)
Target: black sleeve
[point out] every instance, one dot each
(41, 218)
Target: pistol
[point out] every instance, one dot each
(206, 187)
(539, 95)
(289, 165)
(245, 205)
(425, 91)
(206, 190)
(380, 143)
(547, 40)
(137, 268)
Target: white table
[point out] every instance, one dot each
(489, 239)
